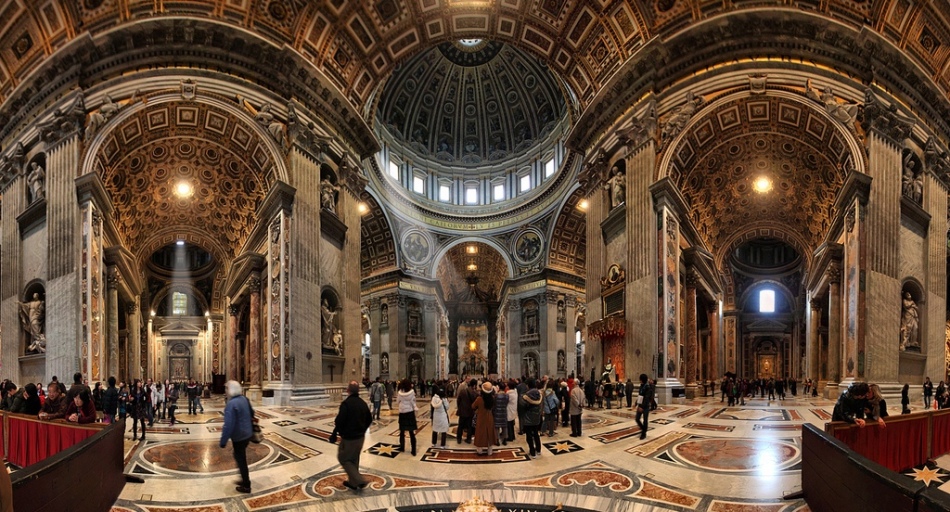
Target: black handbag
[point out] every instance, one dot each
(256, 434)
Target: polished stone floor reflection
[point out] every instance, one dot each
(698, 455)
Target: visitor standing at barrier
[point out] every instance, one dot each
(851, 404)
(928, 392)
(905, 399)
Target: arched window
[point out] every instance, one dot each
(766, 301)
(179, 303)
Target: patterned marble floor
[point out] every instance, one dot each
(698, 456)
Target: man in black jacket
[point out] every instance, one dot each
(643, 404)
(351, 424)
(851, 404)
(463, 407)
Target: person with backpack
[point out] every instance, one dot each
(532, 418)
(376, 392)
(551, 408)
(440, 416)
(644, 401)
(172, 401)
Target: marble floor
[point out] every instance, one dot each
(699, 455)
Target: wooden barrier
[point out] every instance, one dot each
(86, 476)
(909, 439)
(836, 479)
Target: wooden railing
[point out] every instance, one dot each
(908, 440)
(65, 466)
(849, 468)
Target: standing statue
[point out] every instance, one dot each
(36, 179)
(338, 342)
(616, 186)
(909, 323)
(912, 185)
(328, 193)
(608, 371)
(32, 314)
(327, 327)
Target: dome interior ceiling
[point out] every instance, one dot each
(726, 152)
(471, 106)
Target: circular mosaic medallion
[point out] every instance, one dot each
(415, 246)
(201, 456)
(737, 454)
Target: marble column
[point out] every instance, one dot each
(112, 340)
(715, 343)
(234, 349)
(254, 338)
(11, 281)
(834, 330)
(135, 341)
(691, 336)
(813, 343)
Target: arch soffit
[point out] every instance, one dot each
(495, 278)
(166, 290)
(771, 283)
(724, 125)
(739, 115)
(378, 243)
(764, 230)
(567, 248)
(201, 123)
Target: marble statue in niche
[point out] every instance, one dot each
(384, 315)
(36, 179)
(328, 195)
(529, 319)
(560, 311)
(909, 324)
(384, 364)
(328, 327)
(32, 316)
(616, 187)
(561, 361)
(338, 342)
(912, 184)
(414, 324)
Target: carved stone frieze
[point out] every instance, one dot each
(66, 121)
(678, 118)
(885, 118)
(641, 129)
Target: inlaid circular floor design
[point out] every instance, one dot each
(737, 454)
(201, 456)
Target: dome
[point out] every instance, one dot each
(471, 102)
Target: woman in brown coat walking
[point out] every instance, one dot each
(486, 435)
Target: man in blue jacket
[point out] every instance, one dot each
(238, 427)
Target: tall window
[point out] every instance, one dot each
(471, 195)
(549, 168)
(418, 184)
(525, 183)
(393, 170)
(179, 303)
(498, 193)
(444, 193)
(767, 301)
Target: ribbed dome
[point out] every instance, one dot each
(471, 102)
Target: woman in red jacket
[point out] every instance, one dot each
(81, 409)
